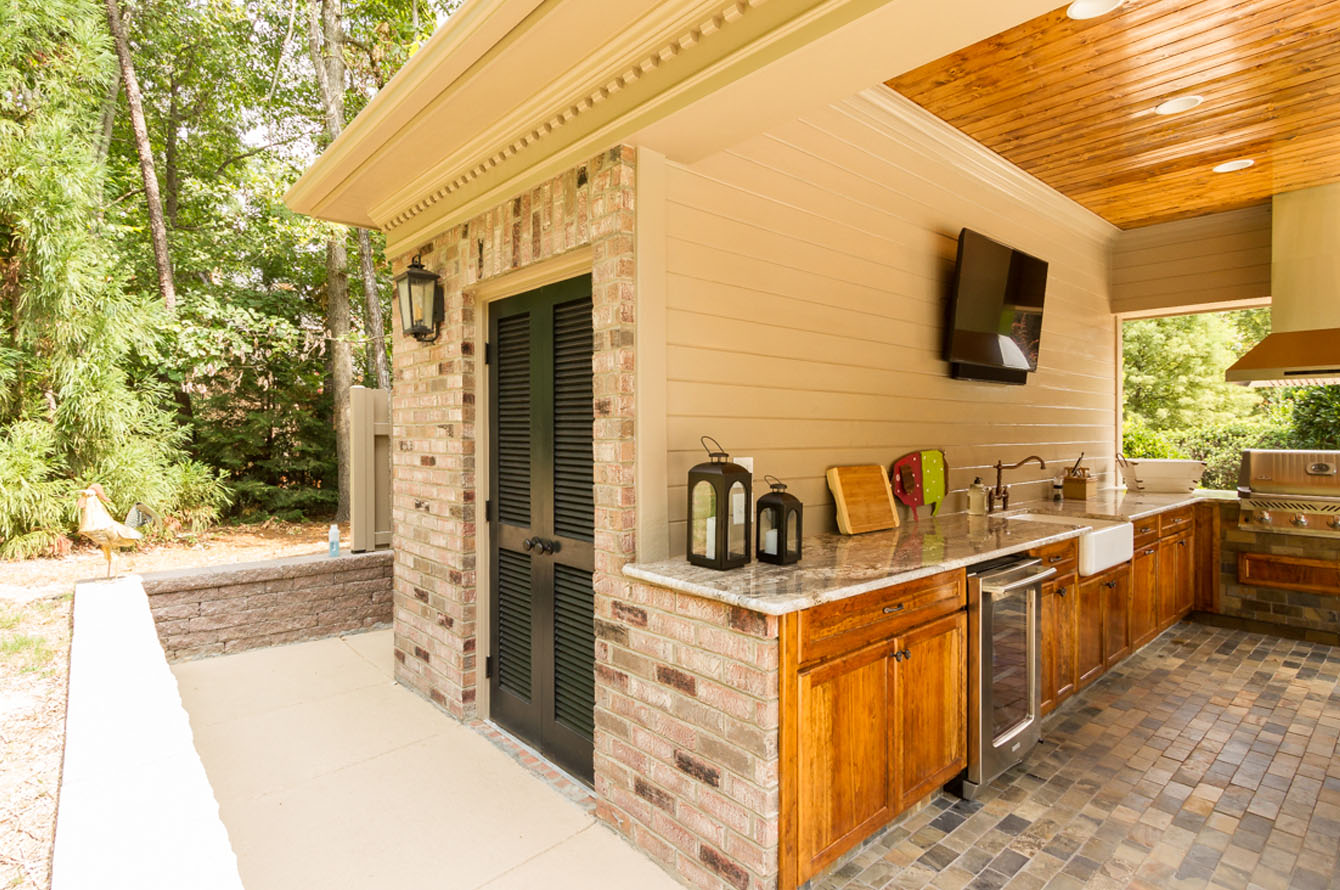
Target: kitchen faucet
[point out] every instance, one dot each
(1000, 491)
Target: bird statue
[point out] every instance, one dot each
(96, 524)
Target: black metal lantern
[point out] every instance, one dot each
(420, 301)
(778, 526)
(719, 514)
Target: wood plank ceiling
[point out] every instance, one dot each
(1072, 102)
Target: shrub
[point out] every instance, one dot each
(1138, 440)
(1221, 447)
(1316, 418)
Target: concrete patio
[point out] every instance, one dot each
(330, 775)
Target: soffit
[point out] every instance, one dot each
(1071, 102)
(510, 92)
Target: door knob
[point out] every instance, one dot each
(530, 543)
(547, 546)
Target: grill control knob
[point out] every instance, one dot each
(1300, 521)
(1334, 523)
(1263, 517)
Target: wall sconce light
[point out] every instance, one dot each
(420, 301)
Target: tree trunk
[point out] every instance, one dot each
(341, 360)
(109, 104)
(325, 37)
(372, 295)
(157, 228)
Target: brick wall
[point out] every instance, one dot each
(434, 413)
(686, 733)
(1293, 608)
(218, 609)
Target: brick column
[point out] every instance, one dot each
(434, 412)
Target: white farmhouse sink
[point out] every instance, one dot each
(1107, 543)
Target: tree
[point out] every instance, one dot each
(152, 201)
(1173, 370)
(325, 36)
(75, 406)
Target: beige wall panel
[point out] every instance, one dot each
(806, 277)
(1191, 263)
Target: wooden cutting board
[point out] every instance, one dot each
(864, 499)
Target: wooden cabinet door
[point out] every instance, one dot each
(1116, 616)
(1058, 641)
(930, 711)
(1184, 550)
(1048, 667)
(844, 775)
(1143, 615)
(1089, 631)
(1167, 585)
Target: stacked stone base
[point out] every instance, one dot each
(219, 609)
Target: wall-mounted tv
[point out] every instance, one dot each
(995, 311)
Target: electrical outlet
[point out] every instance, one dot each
(746, 462)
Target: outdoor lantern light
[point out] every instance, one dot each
(778, 526)
(719, 515)
(420, 301)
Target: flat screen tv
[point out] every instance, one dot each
(995, 311)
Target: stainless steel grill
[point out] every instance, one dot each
(1290, 492)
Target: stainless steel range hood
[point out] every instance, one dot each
(1304, 344)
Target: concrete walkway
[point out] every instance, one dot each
(329, 775)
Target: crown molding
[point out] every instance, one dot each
(915, 127)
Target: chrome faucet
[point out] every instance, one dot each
(1000, 491)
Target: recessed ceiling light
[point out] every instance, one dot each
(1091, 9)
(1232, 166)
(1178, 105)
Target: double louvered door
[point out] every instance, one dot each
(542, 663)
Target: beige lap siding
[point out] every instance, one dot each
(687, 728)
(434, 414)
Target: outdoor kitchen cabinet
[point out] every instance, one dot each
(876, 715)
(1116, 615)
(1058, 641)
(1176, 577)
(1143, 616)
(1089, 661)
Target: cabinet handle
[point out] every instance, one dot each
(1181, 543)
(1055, 558)
(896, 607)
(1149, 552)
(1146, 529)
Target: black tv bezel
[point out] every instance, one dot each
(961, 370)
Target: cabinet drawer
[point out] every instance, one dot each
(1289, 572)
(1146, 531)
(1174, 521)
(839, 627)
(1062, 556)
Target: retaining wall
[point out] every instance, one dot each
(218, 609)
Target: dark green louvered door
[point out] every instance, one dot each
(542, 667)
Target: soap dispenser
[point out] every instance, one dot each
(977, 498)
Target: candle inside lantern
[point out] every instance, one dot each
(770, 542)
(711, 542)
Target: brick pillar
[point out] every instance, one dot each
(433, 412)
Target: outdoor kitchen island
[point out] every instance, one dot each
(756, 724)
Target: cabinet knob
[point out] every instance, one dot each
(907, 655)
(897, 655)
(1060, 591)
(1110, 584)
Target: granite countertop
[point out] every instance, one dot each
(836, 566)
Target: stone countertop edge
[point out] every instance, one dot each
(742, 587)
(835, 580)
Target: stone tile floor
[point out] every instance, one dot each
(1207, 759)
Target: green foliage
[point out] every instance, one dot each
(75, 408)
(1138, 440)
(1221, 447)
(1174, 370)
(1316, 418)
